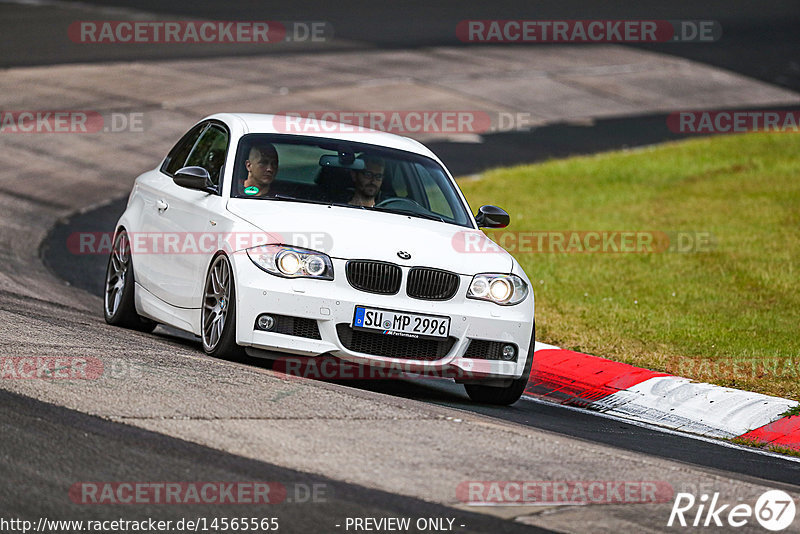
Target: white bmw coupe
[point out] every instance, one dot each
(329, 240)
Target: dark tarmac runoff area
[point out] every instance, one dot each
(759, 39)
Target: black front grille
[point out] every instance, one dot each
(431, 284)
(482, 349)
(374, 276)
(295, 326)
(407, 348)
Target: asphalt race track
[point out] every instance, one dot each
(165, 412)
(69, 443)
(87, 272)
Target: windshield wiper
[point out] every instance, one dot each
(288, 198)
(400, 211)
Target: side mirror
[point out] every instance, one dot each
(492, 217)
(196, 178)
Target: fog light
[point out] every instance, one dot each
(265, 322)
(509, 352)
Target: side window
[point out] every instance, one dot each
(209, 152)
(177, 156)
(394, 180)
(437, 201)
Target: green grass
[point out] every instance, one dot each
(730, 315)
(791, 412)
(766, 446)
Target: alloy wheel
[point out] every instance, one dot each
(216, 302)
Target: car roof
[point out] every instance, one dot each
(266, 123)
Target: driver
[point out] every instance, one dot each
(367, 182)
(262, 166)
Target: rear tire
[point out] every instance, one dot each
(504, 395)
(119, 308)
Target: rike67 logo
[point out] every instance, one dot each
(774, 510)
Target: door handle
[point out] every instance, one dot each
(161, 205)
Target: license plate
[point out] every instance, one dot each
(397, 323)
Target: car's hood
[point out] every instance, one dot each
(351, 233)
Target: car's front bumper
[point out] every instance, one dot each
(332, 303)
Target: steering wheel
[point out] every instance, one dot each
(410, 204)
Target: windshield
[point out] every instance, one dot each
(308, 169)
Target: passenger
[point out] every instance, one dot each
(262, 167)
(367, 182)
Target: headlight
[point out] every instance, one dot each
(292, 262)
(503, 289)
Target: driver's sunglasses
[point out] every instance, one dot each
(373, 175)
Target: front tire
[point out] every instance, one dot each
(505, 395)
(119, 308)
(218, 316)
